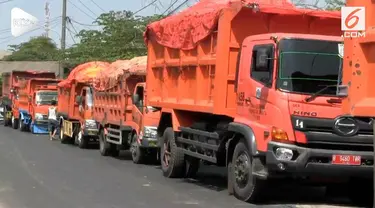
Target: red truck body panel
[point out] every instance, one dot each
(114, 106)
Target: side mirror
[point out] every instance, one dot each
(12, 91)
(135, 98)
(78, 99)
(262, 59)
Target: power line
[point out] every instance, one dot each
(71, 35)
(3, 2)
(81, 10)
(87, 8)
(97, 5)
(82, 23)
(178, 7)
(35, 29)
(141, 9)
(8, 29)
(170, 6)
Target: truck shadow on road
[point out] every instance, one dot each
(214, 178)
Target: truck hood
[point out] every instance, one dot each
(319, 107)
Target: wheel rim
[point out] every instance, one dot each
(241, 169)
(166, 153)
(79, 137)
(61, 134)
(134, 149)
(12, 120)
(101, 143)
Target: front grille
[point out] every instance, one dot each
(320, 134)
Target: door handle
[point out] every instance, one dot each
(248, 100)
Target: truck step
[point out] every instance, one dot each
(114, 136)
(212, 135)
(200, 156)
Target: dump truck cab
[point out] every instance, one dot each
(76, 115)
(146, 117)
(34, 100)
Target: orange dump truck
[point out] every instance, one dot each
(253, 87)
(34, 98)
(126, 122)
(75, 106)
(11, 89)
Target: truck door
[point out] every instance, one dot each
(255, 79)
(138, 105)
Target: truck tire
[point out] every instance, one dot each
(81, 140)
(21, 125)
(14, 123)
(172, 159)
(104, 146)
(138, 154)
(246, 186)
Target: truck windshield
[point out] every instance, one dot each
(307, 66)
(45, 97)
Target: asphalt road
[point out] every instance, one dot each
(38, 173)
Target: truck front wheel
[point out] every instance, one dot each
(137, 153)
(104, 146)
(246, 186)
(14, 123)
(21, 125)
(172, 160)
(81, 140)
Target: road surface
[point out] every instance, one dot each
(38, 173)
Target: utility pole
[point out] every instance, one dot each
(63, 38)
(47, 18)
(63, 28)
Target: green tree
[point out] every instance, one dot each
(334, 4)
(36, 49)
(120, 37)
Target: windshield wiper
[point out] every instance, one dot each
(318, 93)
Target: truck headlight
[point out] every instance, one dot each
(149, 132)
(38, 116)
(91, 124)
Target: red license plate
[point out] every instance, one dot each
(346, 159)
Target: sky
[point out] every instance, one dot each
(82, 11)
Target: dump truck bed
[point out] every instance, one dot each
(12, 79)
(202, 78)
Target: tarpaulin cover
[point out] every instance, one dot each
(110, 77)
(85, 73)
(185, 29)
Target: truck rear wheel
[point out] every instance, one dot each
(21, 125)
(104, 146)
(14, 123)
(81, 140)
(172, 160)
(246, 186)
(63, 138)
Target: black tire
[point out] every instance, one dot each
(138, 154)
(83, 143)
(14, 123)
(21, 125)
(192, 166)
(250, 187)
(176, 165)
(104, 146)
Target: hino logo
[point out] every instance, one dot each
(346, 126)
